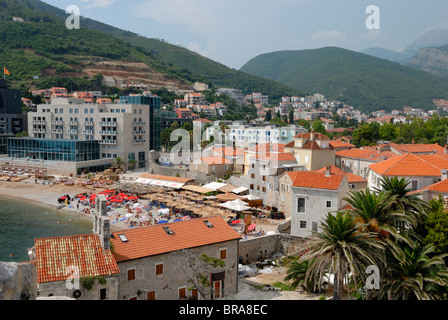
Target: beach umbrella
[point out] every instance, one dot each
(251, 227)
(129, 215)
(177, 220)
(236, 221)
(163, 221)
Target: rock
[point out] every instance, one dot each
(18, 281)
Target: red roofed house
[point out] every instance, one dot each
(436, 189)
(311, 149)
(161, 260)
(416, 148)
(420, 170)
(60, 260)
(307, 196)
(357, 161)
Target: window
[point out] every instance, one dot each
(223, 254)
(103, 294)
(414, 185)
(151, 295)
(182, 293)
(302, 224)
(159, 269)
(328, 205)
(314, 226)
(131, 274)
(301, 205)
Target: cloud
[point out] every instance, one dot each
(211, 48)
(98, 3)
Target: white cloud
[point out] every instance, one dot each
(209, 51)
(98, 3)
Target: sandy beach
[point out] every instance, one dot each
(48, 195)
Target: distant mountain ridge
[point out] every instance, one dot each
(363, 81)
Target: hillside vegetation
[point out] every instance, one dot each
(360, 80)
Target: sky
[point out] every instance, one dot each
(234, 31)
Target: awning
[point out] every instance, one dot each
(143, 180)
(198, 189)
(239, 190)
(214, 185)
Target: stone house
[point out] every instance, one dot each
(61, 260)
(216, 166)
(308, 196)
(163, 262)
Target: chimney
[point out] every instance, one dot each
(312, 135)
(101, 222)
(328, 171)
(444, 174)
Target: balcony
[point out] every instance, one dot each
(108, 133)
(139, 123)
(57, 131)
(72, 131)
(107, 141)
(39, 122)
(89, 123)
(139, 141)
(87, 131)
(39, 130)
(73, 123)
(140, 132)
(108, 124)
(57, 122)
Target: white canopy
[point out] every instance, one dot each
(237, 205)
(214, 185)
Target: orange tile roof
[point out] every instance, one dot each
(281, 156)
(417, 148)
(351, 178)
(441, 186)
(307, 135)
(315, 180)
(268, 147)
(225, 151)
(411, 165)
(153, 240)
(55, 255)
(215, 160)
(341, 144)
(366, 154)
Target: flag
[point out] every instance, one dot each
(6, 71)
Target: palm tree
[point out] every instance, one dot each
(410, 204)
(374, 211)
(415, 274)
(296, 273)
(119, 163)
(341, 249)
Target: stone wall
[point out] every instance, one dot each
(18, 281)
(256, 249)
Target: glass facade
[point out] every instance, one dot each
(54, 149)
(155, 126)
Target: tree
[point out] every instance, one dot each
(268, 116)
(297, 273)
(291, 116)
(388, 132)
(340, 249)
(436, 226)
(317, 126)
(119, 163)
(415, 273)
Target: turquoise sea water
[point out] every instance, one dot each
(21, 222)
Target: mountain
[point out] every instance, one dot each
(43, 46)
(432, 38)
(433, 60)
(365, 82)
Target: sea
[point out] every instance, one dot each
(23, 221)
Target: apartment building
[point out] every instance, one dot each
(102, 132)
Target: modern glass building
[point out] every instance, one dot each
(54, 149)
(155, 126)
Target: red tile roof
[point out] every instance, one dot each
(268, 147)
(165, 178)
(281, 156)
(351, 178)
(366, 154)
(411, 165)
(441, 186)
(226, 151)
(215, 160)
(417, 148)
(307, 135)
(315, 180)
(341, 144)
(55, 255)
(153, 240)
